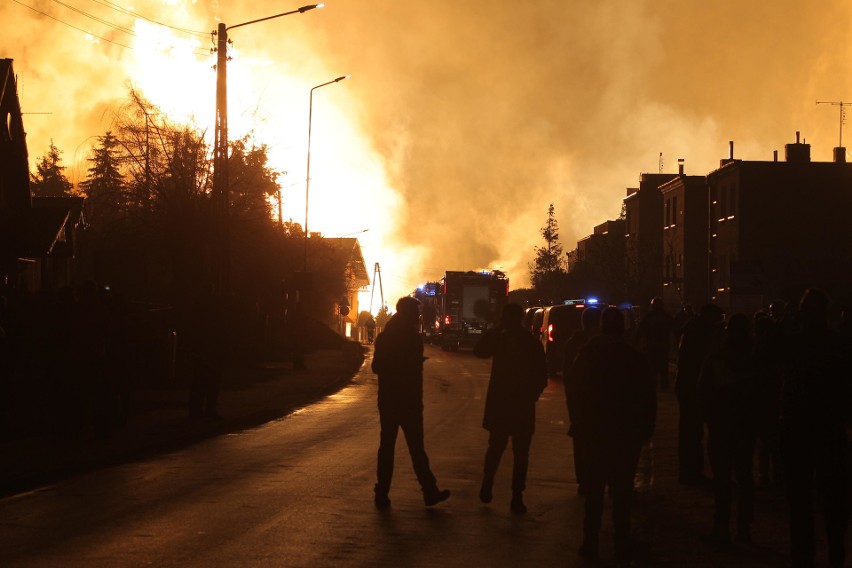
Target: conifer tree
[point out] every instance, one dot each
(49, 179)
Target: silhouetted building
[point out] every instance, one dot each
(643, 234)
(778, 227)
(601, 255)
(684, 240)
(336, 257)
(36, 235)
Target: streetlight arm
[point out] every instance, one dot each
(330, 82)
(301, 10)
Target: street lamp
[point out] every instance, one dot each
(220, 144)
(308, 175)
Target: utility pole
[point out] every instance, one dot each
(377, 274)
(221, 181)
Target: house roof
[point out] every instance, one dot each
(45, 229)
(75, 206)
(345, 253)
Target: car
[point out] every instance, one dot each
(559, 322)
(536, 321)
(529, 317)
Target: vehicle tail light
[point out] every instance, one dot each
(550, 333)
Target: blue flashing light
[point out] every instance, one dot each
(591, 301)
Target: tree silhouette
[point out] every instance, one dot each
(104, 187)
(49, 179)
(547, 273)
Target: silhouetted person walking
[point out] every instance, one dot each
(591, 323)
(398, 361)
(814, 411)
(728, 392)
(615, 414)
(700, 336)
(654, 338)
(518, 376)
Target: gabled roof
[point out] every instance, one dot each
(45, 229)
(14, 166)
(74, 204)
(345, 253)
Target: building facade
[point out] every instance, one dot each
(684, 241)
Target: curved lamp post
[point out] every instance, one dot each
(308, 175)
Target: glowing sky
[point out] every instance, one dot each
(462, 120)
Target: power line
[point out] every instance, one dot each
(128, 31)
(123, 10)
(71, 25)
(97, 19)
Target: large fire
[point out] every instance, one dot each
(268, 99)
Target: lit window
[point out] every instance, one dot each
(674, 211)
(732, 205)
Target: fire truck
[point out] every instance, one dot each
(429, 295)
(466, 305)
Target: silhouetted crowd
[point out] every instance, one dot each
(771, 392)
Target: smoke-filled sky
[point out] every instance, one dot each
(462, 120)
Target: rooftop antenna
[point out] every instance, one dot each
(661, 162)
(842, 106)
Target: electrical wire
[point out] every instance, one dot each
(123, 10)
(107, 23)
(97, 19)
(71, 25)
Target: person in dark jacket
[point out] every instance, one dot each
(614, 416)
(701, 336)
(591, 323)
(728, 395)
(398, 361)
(518, 376)
(815, 406)
(654, 338)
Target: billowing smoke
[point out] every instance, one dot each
(463, 120)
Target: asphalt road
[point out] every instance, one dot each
(298, 492)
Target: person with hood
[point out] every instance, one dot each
(398, 361)
(518, 376)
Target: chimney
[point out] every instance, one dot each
(680, 166)
(775, 155)
(798, 153)
(840, 155)
(730, 157)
